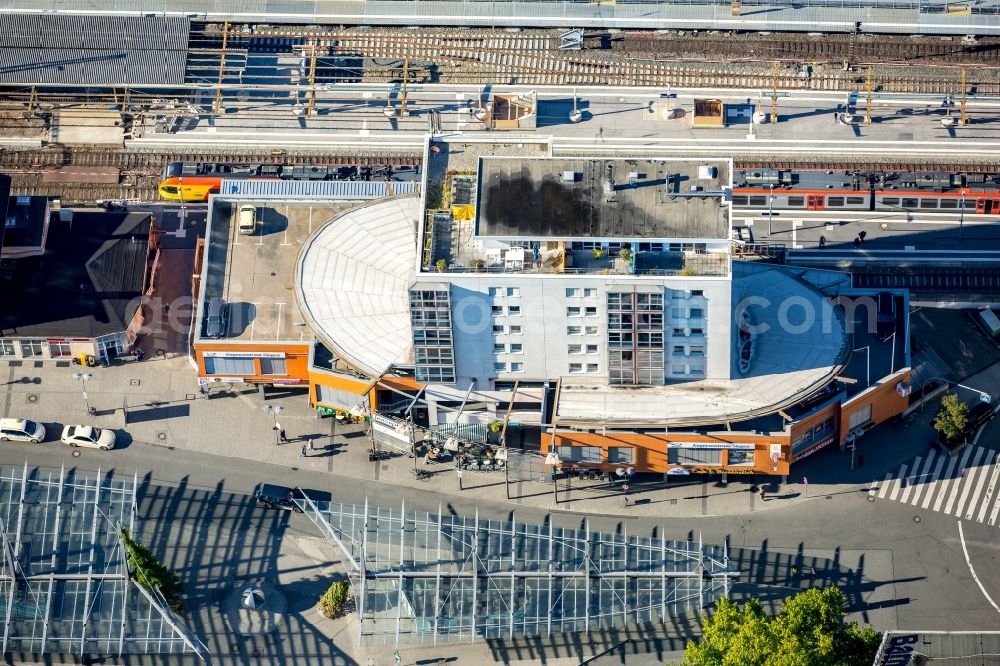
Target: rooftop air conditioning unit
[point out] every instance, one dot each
(569, 176)
(707, 172)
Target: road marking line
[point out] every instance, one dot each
(989, 490)
(872, 488)
(886, 482)
(900, 479)
(972, 469)
(909, 486)
(995, 511)
(922, 477)
(932, 487)
(977, 493)
(957, 481)
(945, 482)
(965, 551)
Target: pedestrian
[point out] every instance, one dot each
(281, 435)
(762, 493)
(861, 235)
(861, 460)
(857, 242)
(822, 242)
(302, 451)
(311, 447)
(626, 500)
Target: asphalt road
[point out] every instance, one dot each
(899, 566)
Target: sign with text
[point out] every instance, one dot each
(243, 354)
(712, 446)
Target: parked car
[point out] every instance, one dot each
(89, 436)
(216, 318)
(885, 319)
(980, 414)
(278, 497)
(21, 430)
(247, 219)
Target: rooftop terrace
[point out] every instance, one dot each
(593, 199)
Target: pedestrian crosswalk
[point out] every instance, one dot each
(966, 485)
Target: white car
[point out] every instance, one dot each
(21, 430)
(95, 438)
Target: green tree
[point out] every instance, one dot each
(951, 418)
(808, 631)
(151, 573)
(333, 600)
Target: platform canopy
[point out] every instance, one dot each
(64, 581)
(422, 577)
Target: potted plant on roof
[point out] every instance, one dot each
(625, 254)
(441, 265)
(598, 253)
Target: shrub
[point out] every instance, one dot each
(951, 418)
(441, 265)
(598, 253)
(333, 600)
(625, 254)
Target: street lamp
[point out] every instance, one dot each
(770, 210)
(274, 410)
(868, 363)
(83, 378)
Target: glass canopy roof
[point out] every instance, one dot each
(422, 577)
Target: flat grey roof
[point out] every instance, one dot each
(616, 199)
(62, 48)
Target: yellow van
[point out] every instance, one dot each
(247, 219)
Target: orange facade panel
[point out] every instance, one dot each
(280, 364)
(733, 453)
(876, 405)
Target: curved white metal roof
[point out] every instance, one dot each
(352, 283)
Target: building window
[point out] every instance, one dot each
(592, 368)
(740, 458)
(697, 313)
(697, 292)
(678, 350)
(499, 367)
(575, 349)
(591, 349)
(861, 417)
(514, 311)
(513, 292)
(273, 366)
(573, 312)
(494, 292)
(677, 313)
(232, 367)
(591, 311)
(497, 310)
(517, 367)
(676, 456)
(6, 348)
(579, 454)
(677, 369)
(697, 331)
(574, 330)
(697, 350)
(589, 293)
(516, 348)
(499, 348)
(31, 348)
(514, 330)
(498, 329)
(678, 331)
(696, 370)
(57, 349)
(572, 293)
(621, 455)
(591, 330)
(575, 368)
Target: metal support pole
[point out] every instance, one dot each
(869, 88)
(217, 105)
(962, 119)
(312, 83)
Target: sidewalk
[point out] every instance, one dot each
(165, 408)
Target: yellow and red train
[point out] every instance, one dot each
(196, 181)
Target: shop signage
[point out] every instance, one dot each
(678, 471)
(243, 354)
(202, 381)
(719, 470)
(712, 446)
(287, 382)
(814, 448)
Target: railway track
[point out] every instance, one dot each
(634, 59)
(140, 170)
